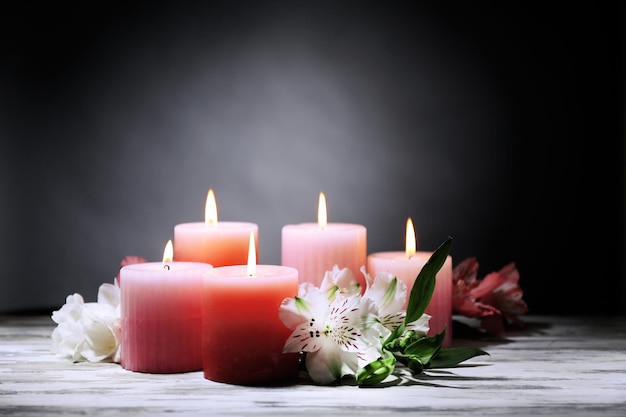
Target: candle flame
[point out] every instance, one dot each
(210, 209)
(251, 270)
(168, 253)
(322, 216)
(411, 244)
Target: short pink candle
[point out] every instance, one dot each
(161, 308)
(216, 243)
(406, 266)
(315, 248)
(243, 335)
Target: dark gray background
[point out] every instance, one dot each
(500, 125)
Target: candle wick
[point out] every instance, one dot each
(166, 266)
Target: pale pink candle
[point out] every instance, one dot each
(214, 242)
(243, 336)
(314, 248)
(406, 266)
(161, 308)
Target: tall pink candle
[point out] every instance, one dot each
(314, 248)
(161, 307)
(406, 266)
(216, 243)
(243, 334)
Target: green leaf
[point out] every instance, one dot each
(399, 343)
(415, 365)
(393, 338)
(424, 285)
(375, 372)
(425, 348)
(450, 357)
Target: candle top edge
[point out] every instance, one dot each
(240, 272)
(220, 224)
(173, 265)
(331, 226)
(401, 255)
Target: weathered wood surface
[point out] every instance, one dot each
(557, 367)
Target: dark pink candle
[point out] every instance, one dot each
(243, 335)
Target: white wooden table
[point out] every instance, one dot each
(559, 366)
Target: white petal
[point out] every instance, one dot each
(388, 293)
(316, 303)
(290, 314)
(343, 279)
(369, 355)
(330, 363)
(420, 325)
(100, 341)
(99, 312)
(117, 355)
(373, 331)
(391, 321)
(310, 303)
(109, 294)
(67, 338)
(71, 310)
(307, 337)
(344, 323)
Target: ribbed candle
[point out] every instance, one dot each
(313, 250)
(243, 334)
(407, 269)
(162, 316)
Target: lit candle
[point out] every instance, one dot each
(216, 243)
(314, 248)
(161, 309)
(406, 266)
(243, 336)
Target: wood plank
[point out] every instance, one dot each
(559, 366)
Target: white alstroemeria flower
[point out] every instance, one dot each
(89, 331)
(339, 281)
(384, 298)
(68, 334)
(328, 331)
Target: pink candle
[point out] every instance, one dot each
(314, 248)
(213, 242)
(406, 266)
(243, 336)
(161, 307)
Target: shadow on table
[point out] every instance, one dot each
(468, 333)
(402, 376)
(439, 378)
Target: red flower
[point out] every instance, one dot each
(129, 260)
(465, 290)
(496, 299)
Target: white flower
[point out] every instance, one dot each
(89, 331)
(328, 330)
(339, 281)
(67, 336)
(384, 299)
(341, 330)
